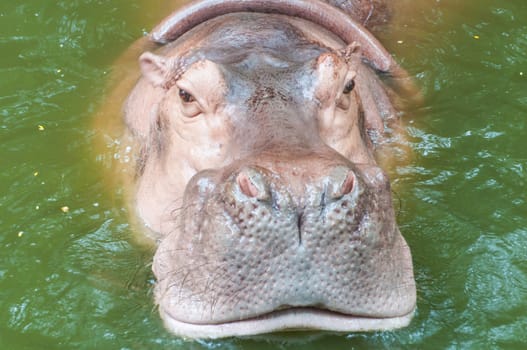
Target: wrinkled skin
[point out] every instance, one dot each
(257, 173)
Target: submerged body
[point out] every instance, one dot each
(256, 169)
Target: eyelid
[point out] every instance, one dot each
(185, 95)
(344, 101)
(190, 109)
(189, 88)
(350, 85)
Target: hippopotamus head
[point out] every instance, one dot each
(257, 172)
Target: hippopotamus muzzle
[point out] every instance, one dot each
(256, 255)
(257, 172)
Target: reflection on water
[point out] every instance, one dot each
(76, 279)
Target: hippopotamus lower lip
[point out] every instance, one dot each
(292, 319)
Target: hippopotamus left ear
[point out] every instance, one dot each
(334, 69)
(351, 54)
(158, 70)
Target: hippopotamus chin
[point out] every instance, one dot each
(256, 170)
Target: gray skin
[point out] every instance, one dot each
(257, 172)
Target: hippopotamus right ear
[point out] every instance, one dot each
(156, 69)
(160, 71)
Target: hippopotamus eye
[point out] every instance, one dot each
(349, 86)
(185, 96)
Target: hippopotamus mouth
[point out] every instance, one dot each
(257, 171)
(293, 319)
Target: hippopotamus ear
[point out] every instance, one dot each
(351, 54)
(153, 67)
(158, 70)
(334, 70)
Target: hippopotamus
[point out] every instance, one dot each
(256, 125)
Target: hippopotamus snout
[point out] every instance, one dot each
(297, 196)
(252, 193)
(257, 240)
(309, 181)
(254, 183)
(255, 195)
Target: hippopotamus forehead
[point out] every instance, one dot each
(235, 38)
(262, 57)
(258, 77)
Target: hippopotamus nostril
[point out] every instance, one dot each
(252, 183)
(341, 182)
(300, 223)
(348, 183)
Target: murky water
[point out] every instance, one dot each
(71, 276)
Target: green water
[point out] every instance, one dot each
(77, 280)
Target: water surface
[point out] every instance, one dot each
(72, 276)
